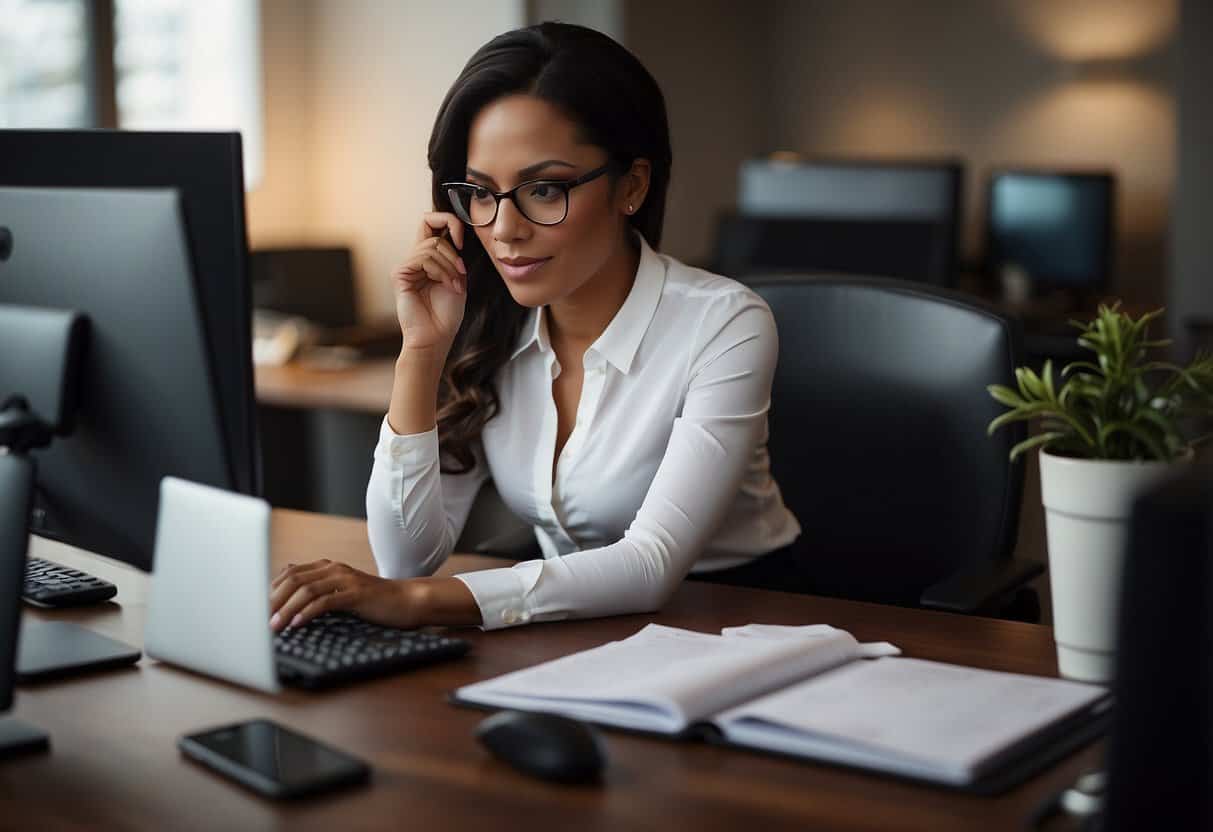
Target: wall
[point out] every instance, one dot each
(278, 207)
(1037, 82)
(1034, 82)
(710, 58)
(352, 89)
(1191, 242)
(607, 16)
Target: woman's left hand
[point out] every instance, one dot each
(300, 592)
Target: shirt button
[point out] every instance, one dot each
(397, 452)
(510, 616)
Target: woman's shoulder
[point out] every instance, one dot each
(706, 292)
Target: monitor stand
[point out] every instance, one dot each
(17, 737)
(44, 649)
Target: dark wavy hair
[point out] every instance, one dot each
(617, 105)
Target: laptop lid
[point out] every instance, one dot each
(210, 596)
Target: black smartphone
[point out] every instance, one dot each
(273, 760)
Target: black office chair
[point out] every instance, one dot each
(878, 442)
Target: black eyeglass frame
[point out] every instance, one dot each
(564, 185)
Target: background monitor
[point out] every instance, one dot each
(206, 169)
(885, 218)
(312, 283)
(1055, 226)
(147, 404)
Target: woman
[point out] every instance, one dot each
(617, 398)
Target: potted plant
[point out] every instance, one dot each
(1115, 426)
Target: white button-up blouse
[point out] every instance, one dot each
(665, 472)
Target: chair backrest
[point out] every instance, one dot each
(878, 431)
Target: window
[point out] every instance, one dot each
(182, 65)
(44, 72)
(137, 64)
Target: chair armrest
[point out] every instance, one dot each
(977, 585)
(515, 544)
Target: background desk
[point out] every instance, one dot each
(318, 429)
(114, 762)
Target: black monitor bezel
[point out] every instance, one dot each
(115, 159)
(1046, 283)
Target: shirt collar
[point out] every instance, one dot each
(621, 339)
(534, 330)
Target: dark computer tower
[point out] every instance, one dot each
(1160, 754)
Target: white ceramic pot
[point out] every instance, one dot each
(1087, 507)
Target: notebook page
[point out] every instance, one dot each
(662, 678)
(869, 650)
(926, 717)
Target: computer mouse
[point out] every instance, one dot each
(547, 746)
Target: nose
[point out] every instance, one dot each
(510, 224)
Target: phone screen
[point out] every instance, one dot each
(277, 753)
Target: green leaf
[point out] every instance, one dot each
(1164, 423)
(1033, 441)
(1021, 414)
(1030, 384)
(1155, 449)
(1047, 376)
(1080, 365)
(1004, 395)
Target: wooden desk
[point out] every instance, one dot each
(114, 763)
(365, 387)
(317, 430)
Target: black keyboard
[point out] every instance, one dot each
(48, 584)
(339, 647)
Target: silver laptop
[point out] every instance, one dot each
(210, 604)
(210, 597)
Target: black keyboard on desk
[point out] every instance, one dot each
(48, 584)
(339, 647)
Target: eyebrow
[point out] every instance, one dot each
(523, 174)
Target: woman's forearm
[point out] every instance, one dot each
(444, 601)
(415, 391)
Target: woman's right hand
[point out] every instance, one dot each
(431, 285)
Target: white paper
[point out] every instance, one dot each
(663, 678)
(918, 717)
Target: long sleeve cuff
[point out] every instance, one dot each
(500, 594)
(409, 453)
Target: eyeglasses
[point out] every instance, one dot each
(542, 201)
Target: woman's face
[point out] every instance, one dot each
(518, 139)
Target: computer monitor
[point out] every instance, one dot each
(206, 169)
(1055, 226)
(16, 477)
(313, 283)
(147, 405)
(889, 218)
(749, 247)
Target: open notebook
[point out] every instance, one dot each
(814, 692)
